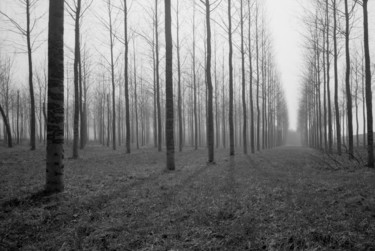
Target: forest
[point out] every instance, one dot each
(171, 125)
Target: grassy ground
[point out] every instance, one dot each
(288, 198)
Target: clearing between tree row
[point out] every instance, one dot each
(285, 198)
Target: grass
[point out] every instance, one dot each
(288, 198)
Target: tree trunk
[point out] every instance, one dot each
(243, 84)
(180, 135)
(231, 125)
(330, 132)
(337, 108)
(77, 53)
(31, 85)
(257, 92)
(127, 105)
(136, 99)
(210, 122)
(7, 127)
(370, 137)
(169, 123)
(157, 77)
(55, 123)
(111, 38)
(18, 117)
(195, 89)
(252, 141)
(347, 83)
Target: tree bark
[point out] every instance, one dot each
(330, 131)
(77, 56)
(337, 108)
(111, 38)
(169, 123)
(243, 84)
(180, 133)
(127, 104)
(31, 85)
(157, 77)
(55, 123)
(210, 122)
(252, 141)
(231, 125)
(370, 136)
(347, 83)
(7, 127)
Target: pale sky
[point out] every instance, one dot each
(285, 25)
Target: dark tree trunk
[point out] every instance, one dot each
(337, 108)
(243, 84)
(195, 90)
(180, 132)
(55, 123)
(31, 85)
(7, 127)
(252, 141)
(136, 100)
(231, 125)
(157, 77)
(370, 137)
(347, 83)
(210, 122)
(18, 117)
(77, 56)
(257, 92)
(111, 38)
(169, 121)
(127, 104)
(330, 131)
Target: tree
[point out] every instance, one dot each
(55, 121)
(252, 143)
(370, 134)
(157, 75)
(335, 55)
(347, 83)
(77, 77)
(26, 32)
(243, 83)
(111, 44)
(231, 125)
(210, 116)
(330, 140)
(169, 123)
(127, 103)
(257, 60)
(7, 127)
(180, 135)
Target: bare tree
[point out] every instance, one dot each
(169, 123)
(370, 134)
(347, 83)
(27, 32)
(243, 83)
(55, 122)
(210, 117)
(335, 50)
(231, 125)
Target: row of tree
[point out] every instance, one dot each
(125, 105)
(324, 118)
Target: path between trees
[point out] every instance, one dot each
(285, 198)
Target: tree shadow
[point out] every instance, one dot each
(35, 199)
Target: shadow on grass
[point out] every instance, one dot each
(35, 199)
